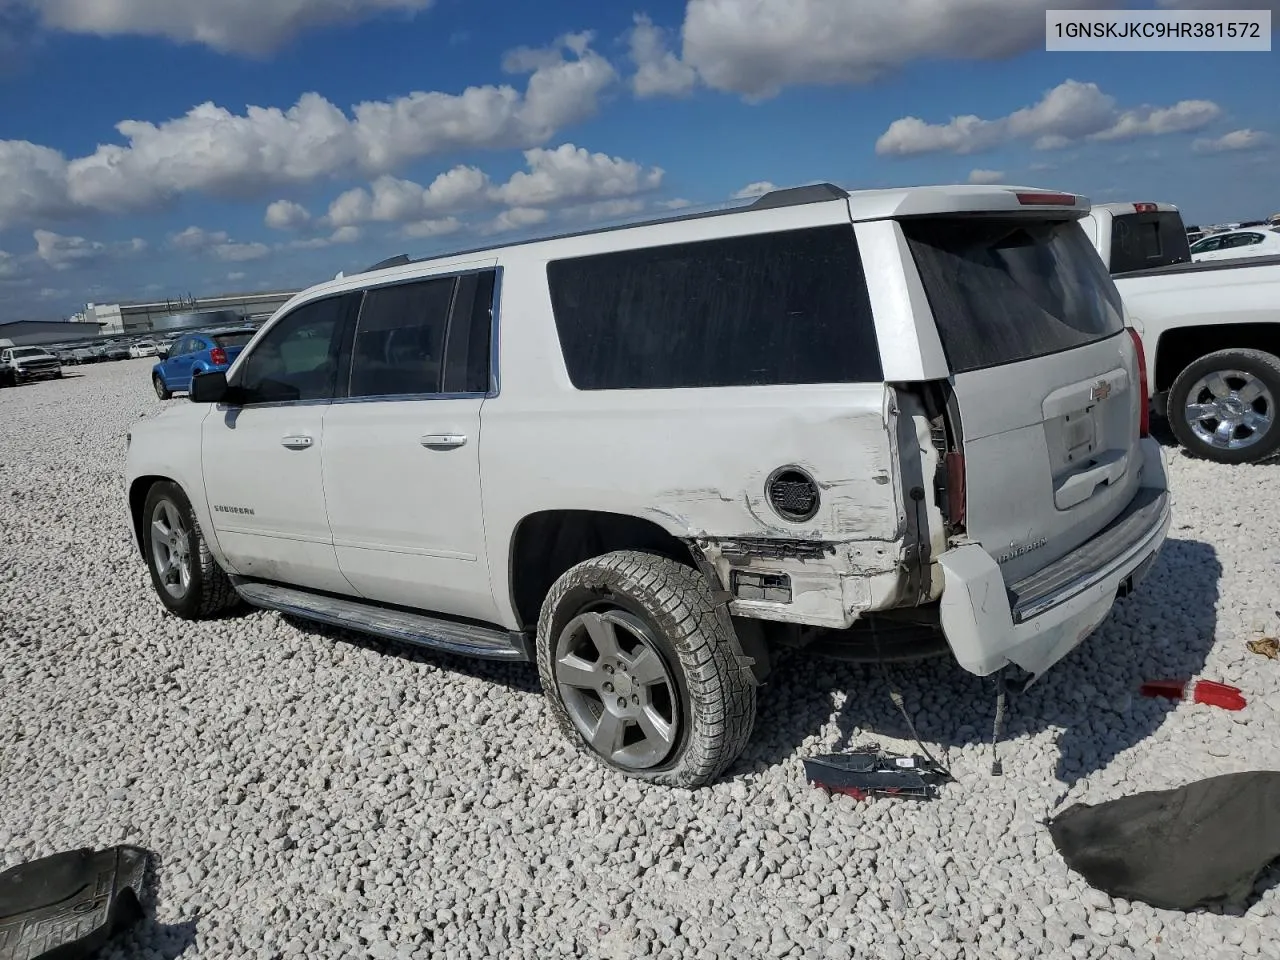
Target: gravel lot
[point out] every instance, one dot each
(314, 794)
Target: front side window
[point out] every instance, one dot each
(399, 343)
(776, 308)
(297, 359)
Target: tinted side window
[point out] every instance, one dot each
(399, 344)
(298, 357)
(1142, 240)
(779, 308)
(467, 356)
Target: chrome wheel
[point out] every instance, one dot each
(171, 549)
(617, 688)
(1230, 409)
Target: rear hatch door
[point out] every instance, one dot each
(1045, 378)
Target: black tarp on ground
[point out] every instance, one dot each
(1201, 845)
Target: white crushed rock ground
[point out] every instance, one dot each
(316, 795)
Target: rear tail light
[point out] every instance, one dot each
(955, 489)
(1047, 199)
(218, 356)
(1144, 403)
(1145, 208)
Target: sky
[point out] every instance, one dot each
(160, 148)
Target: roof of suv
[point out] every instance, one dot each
(940, 200)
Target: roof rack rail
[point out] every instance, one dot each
(397, 261)
(794, 196)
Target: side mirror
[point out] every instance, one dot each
(209, 387)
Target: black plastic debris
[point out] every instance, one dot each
(870, 771)
(1201, 845)
(67, 906)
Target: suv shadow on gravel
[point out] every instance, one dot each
(1167, 630)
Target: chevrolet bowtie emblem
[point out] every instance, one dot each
(1101, 390)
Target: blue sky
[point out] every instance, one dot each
(151, 148)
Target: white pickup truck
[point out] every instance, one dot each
(1211, 331)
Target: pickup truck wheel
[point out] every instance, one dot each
(638, 663)
(161, 390)
(1222, 407)
(187, 578)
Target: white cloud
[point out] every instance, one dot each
(607, 209)
(240, 252)
(235, 275)
(345, 235)
(251, 27)
(566, 176)
(214, 151)
(570, 173)
(196, 238)
(423, 229)
(757, 47)
(1069, 112)
(8, 265)
(659, 72)
(63, 252)
(1245, 139)
(678, 203)
(986, 176)
(757, 189)
(516, 218)
(287, 215)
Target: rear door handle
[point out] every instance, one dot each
(443, 441)
(298, 442)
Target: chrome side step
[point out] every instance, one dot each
(463, 639)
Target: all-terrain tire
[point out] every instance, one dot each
(693, 634)
(209, 592)
(1265, 367)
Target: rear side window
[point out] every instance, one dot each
(1140, 241)
(1008, 290)
(399, 345)
(779, 308)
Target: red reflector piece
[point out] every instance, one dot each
(1047, 199)
(1208, 692)
(218, 356)
(1145, 207)
(1144, 402)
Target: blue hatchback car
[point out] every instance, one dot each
(195, 354)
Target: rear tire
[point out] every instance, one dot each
(186, 577)
(635, 655)
(162, 391)
(1223, 407)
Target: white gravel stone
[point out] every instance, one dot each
(313, 794)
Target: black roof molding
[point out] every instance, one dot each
(774, 199)
(794, 196)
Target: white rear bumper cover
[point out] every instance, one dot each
(988, 628)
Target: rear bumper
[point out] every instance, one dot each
(1036, 621)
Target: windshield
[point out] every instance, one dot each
(1004, 290)
(225, 340)
(30, 352)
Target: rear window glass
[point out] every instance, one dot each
(225, 340)
(1008, 290)
(779, 308)
(1140, 241)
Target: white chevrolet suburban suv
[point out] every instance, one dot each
(645, 457)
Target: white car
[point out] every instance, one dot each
(646, 457)
(143, 348)
(1210, 331)
(1248, 242)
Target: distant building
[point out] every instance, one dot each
(150, 316)
(28, 333)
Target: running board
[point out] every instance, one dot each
(463, 639)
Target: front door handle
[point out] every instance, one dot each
(443, 441)
(297, 442)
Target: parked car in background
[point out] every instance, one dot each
(1260, 242)
(696, 442)
(116, 350)
(164, 345)
(1211, 331)
(195, 354)
(142, 348)
(83, 355)
(20, 364)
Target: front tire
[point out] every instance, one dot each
(162, 392)
(640, 667)
(186, 577)
(1222, 407)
